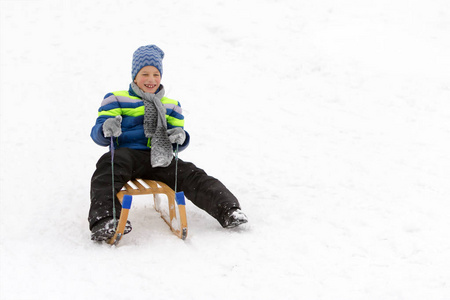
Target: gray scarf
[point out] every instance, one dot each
(155, 127)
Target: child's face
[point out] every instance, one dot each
(148, 79)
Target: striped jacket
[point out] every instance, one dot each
(131, 108)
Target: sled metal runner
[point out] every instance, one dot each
(176, 219)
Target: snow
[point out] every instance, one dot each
(329, 120)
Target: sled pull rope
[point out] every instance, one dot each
(176, 169)
(179, 196)
(112, 180)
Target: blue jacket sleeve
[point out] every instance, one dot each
(97, 132)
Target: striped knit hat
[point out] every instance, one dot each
(149, 55)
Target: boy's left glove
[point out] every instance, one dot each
(177, 135)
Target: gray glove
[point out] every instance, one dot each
(177, 135)
(112, 127)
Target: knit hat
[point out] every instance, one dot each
(149, 55)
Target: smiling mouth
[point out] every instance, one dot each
(150, 86)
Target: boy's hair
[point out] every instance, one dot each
(150, 55)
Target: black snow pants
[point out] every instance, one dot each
(204, 191)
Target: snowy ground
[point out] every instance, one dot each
(330, 120)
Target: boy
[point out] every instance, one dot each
(146, 127)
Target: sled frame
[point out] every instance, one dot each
(176, 219)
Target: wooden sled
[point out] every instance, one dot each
(176, 219)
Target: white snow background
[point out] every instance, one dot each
(329, 120)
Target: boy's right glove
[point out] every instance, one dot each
(112, 127)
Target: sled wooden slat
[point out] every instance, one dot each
(176, 219)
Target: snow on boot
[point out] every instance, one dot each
(104, 229)
(234, 217)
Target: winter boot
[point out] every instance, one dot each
(104, 229)
(234, 217)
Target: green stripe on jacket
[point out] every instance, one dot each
(140, 110)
